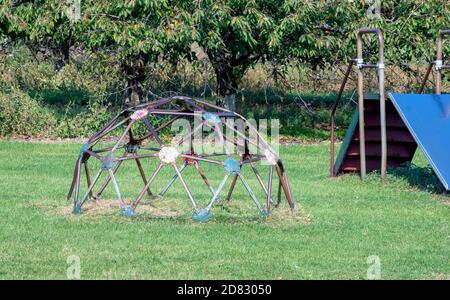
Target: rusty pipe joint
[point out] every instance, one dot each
(438, 65)
(359, 63)
(439, 59)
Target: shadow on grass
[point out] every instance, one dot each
(423, 178)
(231, 213)
(187, 219)
(62, 97)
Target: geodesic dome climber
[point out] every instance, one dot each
(136, 146)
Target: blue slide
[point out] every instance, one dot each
(428, 119)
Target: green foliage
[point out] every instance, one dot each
(62, 97)
(42, 25)
(22, 115)
(135, 46)
(236, 34)
(19, 70)
(302, 117)
(411, 28)
(134, 28)
(132, 34)
(324, 32)
(136, 33)
(83, 123)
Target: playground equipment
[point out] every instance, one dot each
(150, 146)
(384, 132)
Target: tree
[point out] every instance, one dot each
(44, 26)
(410, 30)
(314, 32)
(136, 33)
(318, 33)
(235, 34)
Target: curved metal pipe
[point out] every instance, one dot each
(440, 46)
(362, 139)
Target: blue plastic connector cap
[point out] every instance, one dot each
(127, 211)
(107, 163)
(83, 149)
(131, 148)
(202, 215)
(232, 166)
(76, 209)
(263, 213)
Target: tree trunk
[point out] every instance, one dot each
(133, 93)
(62, 55)
(227, 87)
(134, 71)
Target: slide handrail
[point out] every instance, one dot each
(361, 65)
(438, 64)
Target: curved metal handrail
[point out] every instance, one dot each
(380, 67)
(438, 63)
(360, 64)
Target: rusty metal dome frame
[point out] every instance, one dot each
(211, 116)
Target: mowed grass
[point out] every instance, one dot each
(339, 224)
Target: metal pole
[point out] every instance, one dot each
(105, 184)
(116, 187)
(380, 67)
(147, 186)
(278, 192)
(425, 79)
(284, 184)
(439, 58)
(88, 176)
(382, 106)
(230, 191)
(259, 178)
(188, 192)
(203, 175)
(291, 197)
(141, 171)
(217, 192)
(164, 191)
(362, 138)
(439, 64)
(269, 189)
(250, 192)
(77, 183)
(90, 187)
(74, 179)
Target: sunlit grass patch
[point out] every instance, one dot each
(338, 223)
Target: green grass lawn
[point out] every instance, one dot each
(340, 224)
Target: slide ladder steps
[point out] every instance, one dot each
(401, 144)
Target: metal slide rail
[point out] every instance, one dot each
(438, 64)
(333, 115)
(361, 66)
